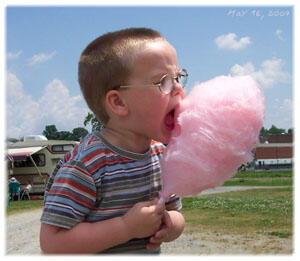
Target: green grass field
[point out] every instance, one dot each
(23, 205)
(266, 178)
(268, 211)
(264, 174)
(259, 182)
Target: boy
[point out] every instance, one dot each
(103, 196)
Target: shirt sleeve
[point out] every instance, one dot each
(71, 197)
(52, 176)
(174, 203)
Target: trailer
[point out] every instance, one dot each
(32, 162)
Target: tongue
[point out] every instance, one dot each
(169, 121)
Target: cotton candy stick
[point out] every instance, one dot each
(217, 127)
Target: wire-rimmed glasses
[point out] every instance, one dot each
(166, 83)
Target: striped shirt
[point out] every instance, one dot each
(98, 181)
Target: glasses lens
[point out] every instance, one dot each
(182, 77)
(166, 84)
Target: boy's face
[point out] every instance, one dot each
(150, 110)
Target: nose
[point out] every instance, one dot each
(178, 89)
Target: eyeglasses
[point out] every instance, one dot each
(166, 83)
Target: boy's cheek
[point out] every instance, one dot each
(182, 94)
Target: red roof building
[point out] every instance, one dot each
(274, 151)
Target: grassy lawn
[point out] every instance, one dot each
(264, 174)
(267, 211)
(263, 178)
(23, 205)
(259, 182)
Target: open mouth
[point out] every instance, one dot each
(170, 121)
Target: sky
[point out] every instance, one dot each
(44, 43)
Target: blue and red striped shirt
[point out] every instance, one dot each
(98, 181)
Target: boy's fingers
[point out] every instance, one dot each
(161, 233)
(149, 203)
(155, 241)
(167, 219)
(157, 237)
(152, 246)
(159, 209)
(154, 201)
(153, 204)
(161, 201)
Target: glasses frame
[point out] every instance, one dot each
(182, 72)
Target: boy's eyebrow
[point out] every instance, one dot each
(157, 77)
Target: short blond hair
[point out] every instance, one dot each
(107, 63)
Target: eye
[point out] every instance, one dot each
(157, 83)
(178, 78)
(161, 81)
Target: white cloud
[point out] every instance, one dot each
(230, 41)
(40, 58)
(60, 107)
(25, 115)
(278, 33)
(270, 73)
(13, 56)
(21, 109)
(280, 114)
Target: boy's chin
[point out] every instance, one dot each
(165, 139)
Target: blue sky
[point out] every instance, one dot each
(43, 45)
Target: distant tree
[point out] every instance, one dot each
(12, 140)
(79, 133)
(263, 132)
(65, 135)
(51, 132)
(275, 130)
(291, 131)
(92, 120)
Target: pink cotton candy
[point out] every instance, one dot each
(217, 127)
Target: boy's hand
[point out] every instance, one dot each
(162, 234)
(144, 218)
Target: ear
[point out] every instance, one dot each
(116, 103)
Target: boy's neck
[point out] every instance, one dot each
(126, 140)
